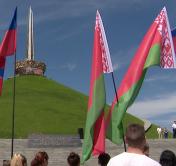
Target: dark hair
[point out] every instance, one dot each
(135, 136)
(40, 159)
(103, 159)
(146, 149)
(24, 160)
(6, 162)
(18, 159)
(168, 158)
(73, 159)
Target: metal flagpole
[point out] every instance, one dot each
(13, 109)
(112, 74)
(107, 57)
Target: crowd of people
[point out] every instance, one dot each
(137, 154)
(40, 159)
(164, 133)
(138, 151)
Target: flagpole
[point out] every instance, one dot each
(13, 109)
(112, 74)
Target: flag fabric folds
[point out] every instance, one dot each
(8, 46)
(156, 48)
(94, 137)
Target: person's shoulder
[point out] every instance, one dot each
(150, 161)
(119, 156)
(117, 159)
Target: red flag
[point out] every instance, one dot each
(8, 46)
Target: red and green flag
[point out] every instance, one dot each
(94, 137)
(156, 49)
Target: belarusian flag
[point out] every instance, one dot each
(155, 49)
(94, 138)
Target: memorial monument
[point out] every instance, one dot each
(29, 66)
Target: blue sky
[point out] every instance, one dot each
(64, 39)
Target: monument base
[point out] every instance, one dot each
(30, 67)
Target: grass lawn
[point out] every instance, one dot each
(45, 106)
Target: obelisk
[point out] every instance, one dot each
(29, 66)
(30, 37)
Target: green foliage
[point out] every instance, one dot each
(43, 106)
(152, 133)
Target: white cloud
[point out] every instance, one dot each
(57, 10)
(69, 66)
(168, 78)
(61, 10)
(122, 57)
(115, 66)
(155, 106)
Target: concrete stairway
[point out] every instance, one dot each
(58, 156)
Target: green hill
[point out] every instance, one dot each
(45, 106)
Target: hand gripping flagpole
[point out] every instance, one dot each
(106, 59)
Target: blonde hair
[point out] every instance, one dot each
(18, 160)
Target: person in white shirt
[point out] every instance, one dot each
(159, 130)
(174, 129)
(135, 138)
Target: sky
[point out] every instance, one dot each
(63, 37)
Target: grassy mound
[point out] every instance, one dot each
(44, 106)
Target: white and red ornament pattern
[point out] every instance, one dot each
(167, 56)
(106, 61)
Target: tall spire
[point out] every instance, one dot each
(30, 37)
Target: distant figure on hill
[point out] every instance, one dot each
(174, 129)
(135, 138)
(103, 159)
(146, 149)
(159, 131)
(73, 159)
(168, 158)
(41, 159)
(18, 160)
(166, 132)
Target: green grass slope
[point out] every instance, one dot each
(44, 106)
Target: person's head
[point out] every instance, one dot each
(6, 162)
(168, 158)
(18, 160)
(103, 159)
(146, 149)
(135, 136)
(41, 159)
(73, 159)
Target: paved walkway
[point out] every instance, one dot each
(57, 156)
